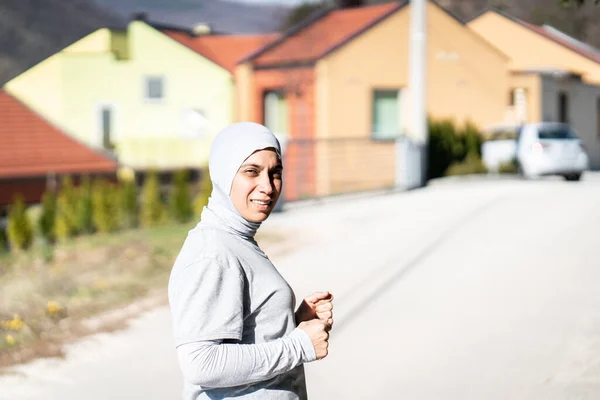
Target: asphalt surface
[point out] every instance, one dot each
(467, 289)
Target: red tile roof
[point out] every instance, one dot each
(30, 146)
(563, 42)
(324, 35)
(223, 50)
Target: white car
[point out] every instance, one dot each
(550, 148)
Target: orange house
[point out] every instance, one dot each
(335, 89)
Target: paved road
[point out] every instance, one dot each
(468, 289)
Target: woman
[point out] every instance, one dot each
(235, 328)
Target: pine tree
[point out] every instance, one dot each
(128, 204)
(152, 211)
(105, 206)
(66, 218)
(3, 241)
(204, 192)
(19, 229)
(180, 201)
(84, 207)
(47, 221)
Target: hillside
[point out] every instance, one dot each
(222, 15)
(32, 30)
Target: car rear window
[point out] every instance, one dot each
(556, 133)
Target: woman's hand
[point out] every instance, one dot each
(318, 332)
(318, 305)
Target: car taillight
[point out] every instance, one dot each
(538, 147)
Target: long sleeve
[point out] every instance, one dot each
(217, 364)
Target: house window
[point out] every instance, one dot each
(154, 87)
(385, 114)
(276, 116)
(106, 127)
(563, 107)
(520, 104)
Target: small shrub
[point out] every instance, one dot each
(128, 204)
(152, 210)
(3, 242)
(204, 192)
(47, 221)
(105, 204)
(19, 229)
(472, 165)
(473, 139)
(444, 147)
(180, 201)
(66, 210)
(85, 222)
(508, 167)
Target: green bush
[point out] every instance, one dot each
(180, 202)
(66, 217)
(473, 139)
(453, 147)
(47, 221)
(204, 192)
(444, 147)
(152, 210)
(471, 165)
(128, 204)
(105, 206)
(85, 222)
(3, 241)
(19, 228)
(508, 167)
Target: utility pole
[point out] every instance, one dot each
(417, 90)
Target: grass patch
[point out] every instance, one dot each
(46, 293)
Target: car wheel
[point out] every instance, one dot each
(573, 177)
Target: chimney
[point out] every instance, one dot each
(202, 28)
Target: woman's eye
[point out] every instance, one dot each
(252, 172)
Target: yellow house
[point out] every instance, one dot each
(554, 77)
(139, 92)
(335, 89)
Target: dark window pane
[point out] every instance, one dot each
(154, 88)
(562, 132)
(106, 127)
(563, 107)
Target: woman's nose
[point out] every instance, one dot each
(266, 186)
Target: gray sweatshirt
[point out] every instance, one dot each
(233, 313)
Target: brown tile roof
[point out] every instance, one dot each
(223, 50)
(571, 45)
(30, 146)
(324, 35)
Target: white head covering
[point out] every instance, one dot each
(230, 148)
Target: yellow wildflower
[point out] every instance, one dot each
(10, 339)
(14, 324)
(54, 308)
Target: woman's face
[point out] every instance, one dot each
(257, 185)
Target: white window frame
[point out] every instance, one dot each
(146, 88)
(399, 111)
